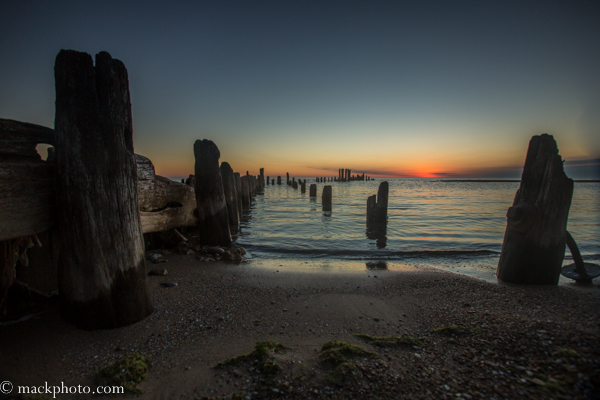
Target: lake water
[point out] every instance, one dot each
(458, 226)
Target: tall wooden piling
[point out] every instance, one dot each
(238, 188)
(287, 181)
(326, 198)
(261, 180)
(377, 205)
(101, 266)
(246, 198)
(279, 180)
(303, 186)
(230, 190)
(534, 241)
(213, 218)
(313, 190)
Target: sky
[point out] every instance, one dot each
(386, 88)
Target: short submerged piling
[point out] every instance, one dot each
(326, 198)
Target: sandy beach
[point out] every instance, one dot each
(509, 341)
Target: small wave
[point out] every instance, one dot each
(365, 254)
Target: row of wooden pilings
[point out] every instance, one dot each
(221, 194)
(343, 176)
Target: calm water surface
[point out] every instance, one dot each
(457, 226)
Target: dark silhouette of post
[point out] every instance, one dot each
(246, 198)
(213, 219)
(230, 190)
(287, 180)
(313, 190)
(326, 198)
(101, 266)
(238, 188)
(377, 205)
(303, 186)
(534, 241)
(279, 180)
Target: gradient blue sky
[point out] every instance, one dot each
(427, 88)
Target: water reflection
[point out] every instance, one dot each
(377, 265)
(378, 233)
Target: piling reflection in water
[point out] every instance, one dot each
(376, 265)
(378, 233)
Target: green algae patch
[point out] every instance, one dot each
(335, 353)
(261, 352)
(262, 355)
(390, 340)
(128, 372)
(453, 329)
(341, 372)
(566, 353)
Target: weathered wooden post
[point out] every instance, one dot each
(313, 190)
(279, 180)
(261, 180)
(230, 191)
(377, 205)
(246, 199)
(287, 174)
(213, 218)
(303, 186)
(534, 241)
(267, 182)
(101, 267)
(238, 188)
(326, 198)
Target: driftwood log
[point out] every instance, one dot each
(231, 197)
(101, 266)
(164, 204)
(377, 205)
(534, 240)
(26, 181)
(213, 219)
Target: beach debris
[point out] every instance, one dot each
(168, 284)
(128, 372)
(580, 271)
(158, 272)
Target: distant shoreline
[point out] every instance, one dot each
(511, 180)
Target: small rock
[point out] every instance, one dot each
(215, 250)
(158, 272)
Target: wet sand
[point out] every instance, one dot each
(512, 346)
